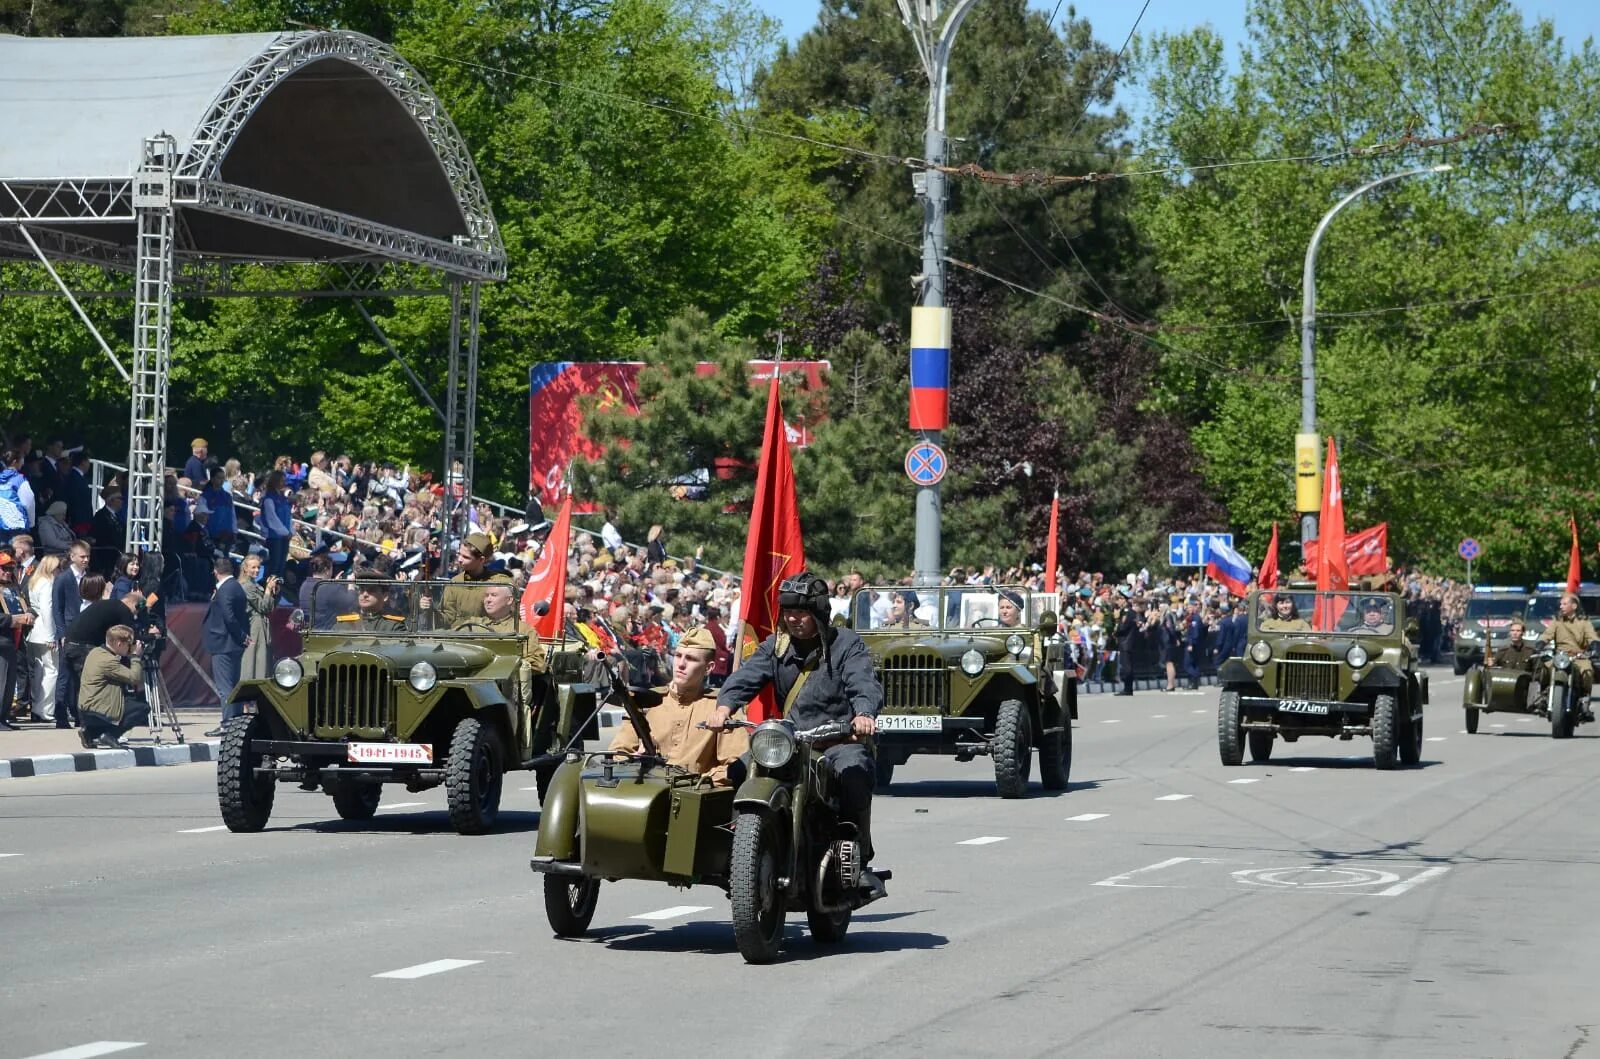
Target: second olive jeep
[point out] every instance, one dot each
(1487, 621)
(1323, 663)
(969, 672)
(418, 684)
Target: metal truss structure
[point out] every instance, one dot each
(137, 226)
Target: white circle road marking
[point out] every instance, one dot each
(89, 1051)
(982, 840)
(422, 970)
(1173, 797)
(1290, 878)
(672, 913)
(1249, 779)
(1087, 816)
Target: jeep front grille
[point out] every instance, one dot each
(351, 697)
(1308, 675)
(914, 682)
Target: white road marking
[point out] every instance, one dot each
(982, 840)
(1435, 739)
(203, 830)
(1173, 797)
(1112, 720)
(1199, 711)
(1247, 779)
(1157, 716)
(1122, 880)
(1497, 726)
(1524, 720)
(422, 970)
(1082, 817)
(528, 788)
(88, 1051)
(402, 805)
(10, 854)
(1416, 880)
(672, 913)
(1304, 768)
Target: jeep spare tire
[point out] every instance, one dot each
(356, 801)
(473, 776)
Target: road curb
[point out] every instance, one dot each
(100, 760)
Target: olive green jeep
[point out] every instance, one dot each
(418, 683)
(1490, 611)
(1332, 663)
(969, 672)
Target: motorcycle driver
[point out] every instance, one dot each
(818, 673)
(1571, 632)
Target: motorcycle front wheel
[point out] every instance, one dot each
(758, 905)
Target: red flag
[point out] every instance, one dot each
(1367, 552)
(1268, 578)
(1050, 548)
(773, 550)
(1333, 575)
(547, 581)
(1574, 564)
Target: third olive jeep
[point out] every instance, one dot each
(969, 672)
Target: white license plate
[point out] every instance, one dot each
(1301, 706)
(390, 753)
(903, 722)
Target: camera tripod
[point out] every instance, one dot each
(162, 714)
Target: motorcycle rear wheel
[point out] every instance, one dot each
(758, 904)
(827, 928)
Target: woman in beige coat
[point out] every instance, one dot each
(259, 601)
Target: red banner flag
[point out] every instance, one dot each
(1050, 556)
(773, 550)
(1367, 552)
(1333, 574)
(1268, 578)
(1574, 564)
(547, 581)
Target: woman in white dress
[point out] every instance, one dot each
(42, 638)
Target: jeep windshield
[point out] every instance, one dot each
(399, 608)
(892, 607)
(1480, 607)
(1543, 609)
(1344, 613)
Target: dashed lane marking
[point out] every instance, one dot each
(1199, 711)
(203, 830)
(671, 913)
(1173, 797)
(1304, 768)
(1112, 720)
(89, 1051)
(1247, 779)
(10, 854)
(1436, 738)
(1158, 716)
(423, 970)
(982, 840)
(1085, 817)
(402, 805)
(1497, 726)
(528, 788)
(1524, 720)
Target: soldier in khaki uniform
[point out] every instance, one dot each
(675, 722)
(1571, 632)
(1285, 616)
(371, 595)
(464, 604)
(496, 611)
(1518, 654)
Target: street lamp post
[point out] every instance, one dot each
(1308, 449)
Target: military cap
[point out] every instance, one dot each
(479, 542)
(697, 637)
(1016, 600)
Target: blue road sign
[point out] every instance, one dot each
(1468, 549)
(1192, 549)
(926, 463)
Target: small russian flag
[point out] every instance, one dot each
(1228, 566)
(930, 368)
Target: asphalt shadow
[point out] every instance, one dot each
(714, 937)
(1333, 763)
(963, 789)
(412, 822)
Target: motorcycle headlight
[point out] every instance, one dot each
(1356, 656)
(772, 745)
(422, 676)
(287, 673)
(972, 662)
(1469, 634)
(1015, 643)
(1563, 660)
(1261, 652)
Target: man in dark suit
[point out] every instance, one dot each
(78, 494)
(227, 634)
(66, 601)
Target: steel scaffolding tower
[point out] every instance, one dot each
(152, 342)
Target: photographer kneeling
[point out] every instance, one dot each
(104, 700)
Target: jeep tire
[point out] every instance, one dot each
(1385, 733)
(244, 798)
(1012, 749)
(356, 801)
(1260, 745)
(1055, 756)
(1411, 741)
(473, 776)
(1230, 736)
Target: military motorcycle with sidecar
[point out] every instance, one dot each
(775, 844)
(1513, 689)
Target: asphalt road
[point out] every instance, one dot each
(1165, 906)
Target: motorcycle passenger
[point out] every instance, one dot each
(1571, 632)
(675, 722)
(1518, 653)
(818, 673)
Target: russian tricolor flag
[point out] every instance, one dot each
(1228, 566)
(930, 368)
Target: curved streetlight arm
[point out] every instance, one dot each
(1308, 308)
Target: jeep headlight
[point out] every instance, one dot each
(422, 677)
(1015, 643)
(287, 673)
(1261, 652)
(1356, 656)
(1563, 660)
(772, 745)
(972, 662)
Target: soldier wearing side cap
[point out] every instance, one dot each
(675, 723)
(461, 602)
